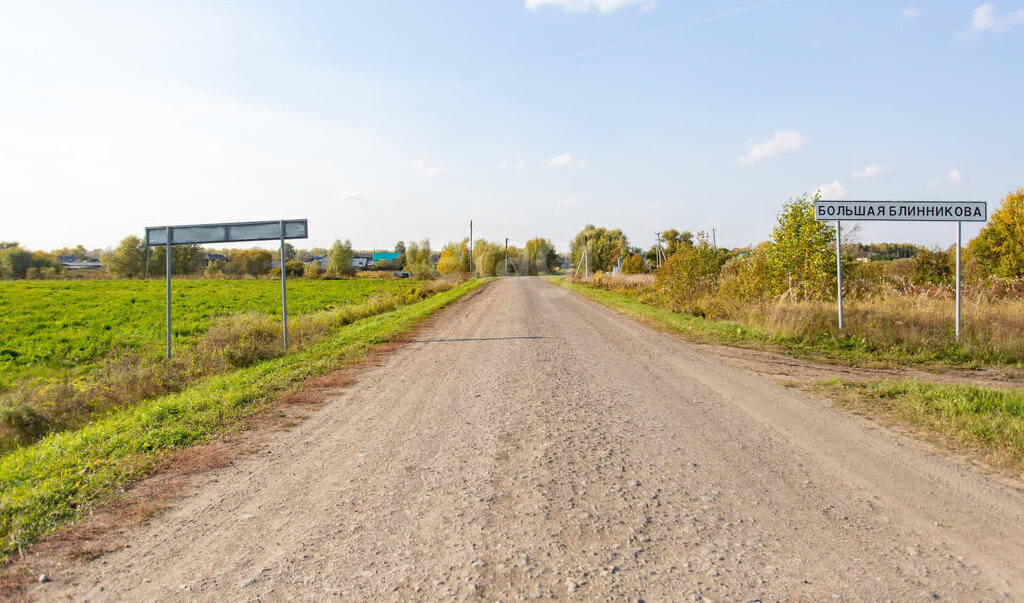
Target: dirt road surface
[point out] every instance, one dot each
(530, 443)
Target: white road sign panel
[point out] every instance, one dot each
(917, 211)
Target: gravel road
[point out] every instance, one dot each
(530, 443)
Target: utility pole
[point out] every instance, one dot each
(471, 249)
(714, 245)
(506, 255)
(586, 258)
(659, 252)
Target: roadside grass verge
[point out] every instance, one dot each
(65, 474)
(702, 330)
(35, 407)
(882, 334)
(981, 422)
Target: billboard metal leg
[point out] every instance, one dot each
(284, 290)
(167, 249)
(959, 243)
(839, 269)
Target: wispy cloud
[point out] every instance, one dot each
(953, 177)
(833, 190)
(784, 141)
(429, 171)
(911, 12)
(567, 160)
(570, 201)
(508, 166)
(985, 19)
(582, 6)
(869, 172)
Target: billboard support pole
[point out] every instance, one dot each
(167, 248)
(284, 290)
(839, 269)
(959, 243)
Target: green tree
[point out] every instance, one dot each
(185, 259)
(932, 266)
(999, 247)
(692, 272)
(488, 258)
(799, 258)
(539, 256)
(400, 247)
(128, 260)
(634, 264)
(339, 260)
(417, 259)
(604, 247)
(15, 262)
(251, 262)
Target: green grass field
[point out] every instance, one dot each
(67, 474)
(52, 326)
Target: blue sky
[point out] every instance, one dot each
(381, 121)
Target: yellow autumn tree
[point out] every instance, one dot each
(999, 247)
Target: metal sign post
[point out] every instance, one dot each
(916, 211)
(839, 269)
(227, 232)
(284, 289)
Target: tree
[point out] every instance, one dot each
(932, 266)
(691, 272)
(339, 260)
(605, 247)
(289, 252)
(999, 247)
(15, 262)
(313, 270)
(128, 259)
(400, 247)
(539, 257)
(251, 262)
(185, 259)
(488, 258)
(417, 259)
(799, 258)
(634, 264)
(454, 258)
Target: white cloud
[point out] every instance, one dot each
(508, 166)
(654, 205)
(570, 201)
(429, 171)
(911, 12)
(565, 160)
(784, 141)
(985, 19)
(869, 172)
(520, 167)
(831, 191)
(954, 176)
(582, 6)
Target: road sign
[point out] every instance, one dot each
(916, 211)
(900, 211)
(231, 232)
(226, 232)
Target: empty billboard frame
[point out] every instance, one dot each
(226, 232)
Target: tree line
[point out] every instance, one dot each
(799, 258)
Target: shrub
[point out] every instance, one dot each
(313, 270)
(690, 273)
(799, 259)
(932, 266)
(634, 264)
